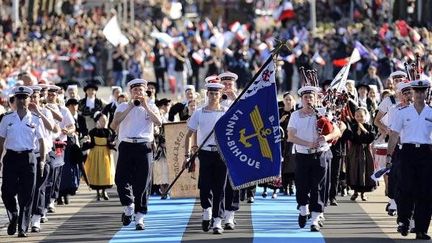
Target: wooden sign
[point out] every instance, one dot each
(187, 184)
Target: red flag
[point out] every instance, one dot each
(287, 12)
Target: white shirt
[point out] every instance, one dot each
(203, 121)
(413, 127)
(90, 102)
(306, 129)
(20, 134)
(137, 123)
(385, 105)
(46, 133)
(67, 121)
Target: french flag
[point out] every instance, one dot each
(286, 11)
(239, 30)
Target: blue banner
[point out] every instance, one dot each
(248, 134)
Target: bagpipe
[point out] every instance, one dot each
(333, 104)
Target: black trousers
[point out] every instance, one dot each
(415, 191)
(133, 174)
(38, 204)
(310, 181)
(335, 165)
(212, 181)
(232, 198)
(52, 188)
(19, 178)
(392, 183)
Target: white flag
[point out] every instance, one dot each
(113, 33)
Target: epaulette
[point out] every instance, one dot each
(403, 107)
(36, 115)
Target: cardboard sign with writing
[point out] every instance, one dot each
(187, 184)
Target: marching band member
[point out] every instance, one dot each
(232, 197)
(413, 125)
(212, 170)
(135, 122)
(19, 132)
(67, 126)
(312, 153)
(41, 179)
(405, 98)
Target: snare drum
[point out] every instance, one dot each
(380, 155)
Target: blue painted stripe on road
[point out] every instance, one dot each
(166, 221)
(275, 220)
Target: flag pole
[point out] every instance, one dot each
(279, 45)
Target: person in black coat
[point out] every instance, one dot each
(181, 108)
(90, 104)
(110, 109)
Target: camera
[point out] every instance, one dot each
(224, 96)
(137, 102)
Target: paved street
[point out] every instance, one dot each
(178, 220)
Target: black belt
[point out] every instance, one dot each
(415, 145)
(19, 152)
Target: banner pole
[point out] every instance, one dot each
(274, 52)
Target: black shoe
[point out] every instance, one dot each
(354, 197)
(11, 230)
(403, 229)
(333, 202)
(139, 227)
(44, 220)
(302, 221)
(217, 231)
(66, 199)
(364, 198)
(290, 191)
(392, 212)
(422, 236)
(315, 228)
(22, 234)
(126, 219)
(105, 195)
(229, 226)
(98, 197)
(60, 201)
(35, 229)
(205, 225)
(264, 194)
(251, 200)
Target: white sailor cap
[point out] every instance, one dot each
(36, 88)
(228, 76)
(73, 86)
(22, 90)
(213, 83)
(402, 86)
(398, 74)
(420, 84)
(351, 81)
(212, 78)
(53, 88)
(116, 88)
(136, 82)
(308, 90)
(189, 87)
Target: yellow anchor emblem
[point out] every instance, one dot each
(260, 133)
